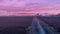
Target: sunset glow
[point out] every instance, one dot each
(29, 7)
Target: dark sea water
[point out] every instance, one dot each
(24, 25)
(14, 24)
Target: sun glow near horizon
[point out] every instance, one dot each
(24, 13)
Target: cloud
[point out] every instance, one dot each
(33, 6)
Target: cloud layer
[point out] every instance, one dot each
(31, 6)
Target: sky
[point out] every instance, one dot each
(15, 7)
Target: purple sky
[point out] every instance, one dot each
(32, 6)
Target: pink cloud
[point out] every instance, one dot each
(28, 6)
